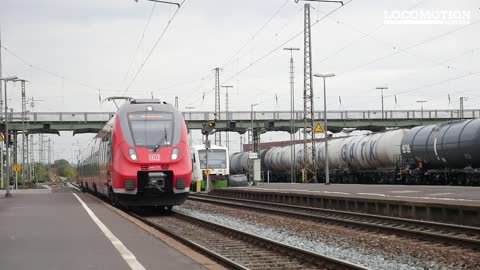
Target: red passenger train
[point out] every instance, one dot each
(141, 157)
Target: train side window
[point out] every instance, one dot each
(109, 147)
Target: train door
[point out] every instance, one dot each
(196, 170)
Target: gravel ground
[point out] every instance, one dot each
(372, 250)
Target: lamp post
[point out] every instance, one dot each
(382, 88)
(5, 118)
(421, 109)
(461, 114)
(325, 127)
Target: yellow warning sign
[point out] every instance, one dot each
(17, 167)
(318, 129)
(1, 138)
(207, 172)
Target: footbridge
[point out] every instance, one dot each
(241, 121)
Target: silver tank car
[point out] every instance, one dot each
(238, 163)
(453, 145)
(379, 150)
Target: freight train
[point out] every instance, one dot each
(140, 158)
(444, 154)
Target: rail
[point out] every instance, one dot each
(462, 236)
(238, 249)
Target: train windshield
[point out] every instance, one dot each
(151, 129)
(217, 159)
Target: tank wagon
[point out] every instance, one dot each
(140, 158)
(447, 153)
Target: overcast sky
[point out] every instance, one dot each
(96, 47)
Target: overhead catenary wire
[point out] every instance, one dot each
(398, 50)
(154, 47)
(278, 47)
(44, 70)
(448, 80)
(364, 35)
(430, 85)
(139, 43)
(254, 36)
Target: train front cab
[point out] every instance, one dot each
(151, 158)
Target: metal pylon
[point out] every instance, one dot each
(227, 138)
(218, 136)
(309, 167)
(24, 110)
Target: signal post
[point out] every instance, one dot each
(207, 129)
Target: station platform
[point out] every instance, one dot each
(454, 204)
(42, 229)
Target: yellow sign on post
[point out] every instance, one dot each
(17, 167)
(207, 172)
(318, 129)
(1, 138)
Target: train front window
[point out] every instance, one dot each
(151, 129)
(217, 159)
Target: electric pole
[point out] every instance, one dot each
(292, 112)
(218, 136)
(227, 138)
(24, 111)
(1, 110)
(49, 161)
(40, 149)
(1, 75)
(32, 159)
(309, 168)
(462, 99)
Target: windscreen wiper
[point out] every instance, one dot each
(165, 138)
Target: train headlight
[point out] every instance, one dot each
(175, 152)
(133, 154)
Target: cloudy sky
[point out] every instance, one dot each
(74, 51)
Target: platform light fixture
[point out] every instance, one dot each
(421, 109)
(381, 88)
(325, 127)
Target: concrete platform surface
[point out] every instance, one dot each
(454, 195)
(40, 229)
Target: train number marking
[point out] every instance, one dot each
(154, 157)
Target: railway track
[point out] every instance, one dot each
(237, 249)
(463, 236)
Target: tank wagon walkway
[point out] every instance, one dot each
(40, 229)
